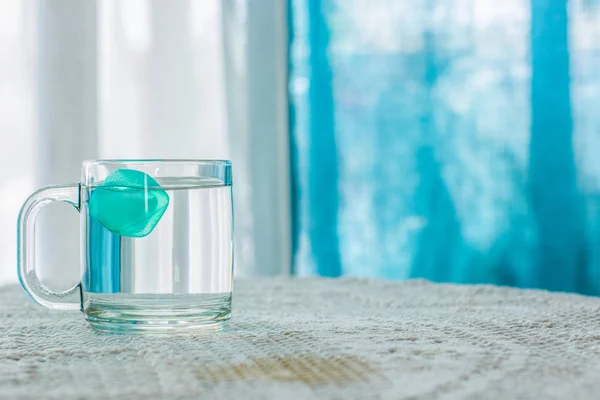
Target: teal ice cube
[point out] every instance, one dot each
(129, 203)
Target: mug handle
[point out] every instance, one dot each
(26, 248)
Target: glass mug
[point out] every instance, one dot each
(156, 244)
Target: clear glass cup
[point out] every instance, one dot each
(156, 244)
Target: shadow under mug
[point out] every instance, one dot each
(156, 244)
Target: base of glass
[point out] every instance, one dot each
(157, 313)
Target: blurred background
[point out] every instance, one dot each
(454, 140)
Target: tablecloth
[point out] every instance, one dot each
(319, 338)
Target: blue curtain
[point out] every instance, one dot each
(454, 140)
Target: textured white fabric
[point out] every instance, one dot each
(318, 338)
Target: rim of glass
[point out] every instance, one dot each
(180, 161)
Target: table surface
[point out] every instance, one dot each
(319, 338)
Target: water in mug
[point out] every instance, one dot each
(182, 269)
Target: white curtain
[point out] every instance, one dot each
(144, 79)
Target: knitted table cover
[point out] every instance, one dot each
(319, 338)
